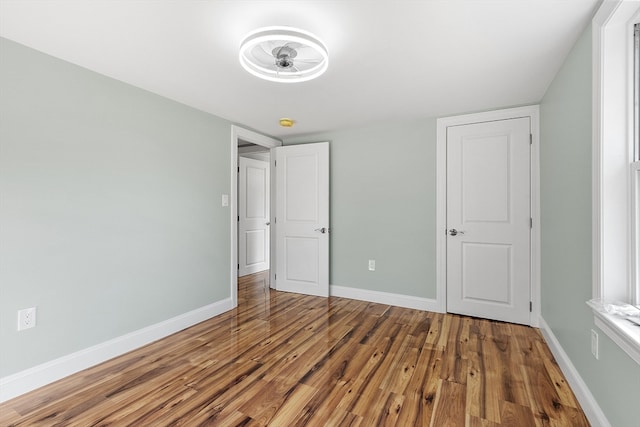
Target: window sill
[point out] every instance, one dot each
(623, 332)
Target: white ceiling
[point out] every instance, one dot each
(388, 59)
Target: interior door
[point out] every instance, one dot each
(488, 220)
(302, 218)
(253, 216)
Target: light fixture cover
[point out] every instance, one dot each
(283, 54)
(286, 122)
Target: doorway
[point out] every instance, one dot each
(245, 137)
(299, 200)
(488, 215)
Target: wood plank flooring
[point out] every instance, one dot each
(283, 359)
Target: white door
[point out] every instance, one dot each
(488, 220)
(253, 216)
(302, 218)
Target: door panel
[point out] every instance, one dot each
(253, 216)
(302, 218)
(298, 253)
(486, 165)
(481, 283)
(256, 244)
(488, 203)
(301, 194)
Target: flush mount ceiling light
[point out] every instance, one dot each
(283, 54)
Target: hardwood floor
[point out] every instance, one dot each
(283, 359)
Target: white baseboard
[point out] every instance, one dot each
(589, 405)
(407, 301)
(30, 379)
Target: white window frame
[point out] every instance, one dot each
(634, 177)
(614, 265)
(635, 232)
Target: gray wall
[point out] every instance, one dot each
(110, 216)
(383, 206)
(565, 161)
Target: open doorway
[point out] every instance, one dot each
(299, 233)
(249, 145)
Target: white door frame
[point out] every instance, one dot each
(533, 112)
(239, 133)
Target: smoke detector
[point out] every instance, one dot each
(283, 54)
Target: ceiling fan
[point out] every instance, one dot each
(283, 54)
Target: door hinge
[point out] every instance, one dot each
(275, 220)
(238, 218)
(238, 266)
(530, 222)
(530, 139)
(530, 306)
(275, 163)
(238, 169)
(275, 277)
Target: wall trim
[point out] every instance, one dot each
(531, 111)
(30, 379)
(589, 404)
(407, 301)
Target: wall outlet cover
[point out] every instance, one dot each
(26, 318)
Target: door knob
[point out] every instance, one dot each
(322, 230)
(454, 232)
(267, 223)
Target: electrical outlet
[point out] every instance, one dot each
(594, 344)
(26, 318)
(372, 265)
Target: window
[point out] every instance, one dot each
(616, 167)
(636, 91)
(635, 172)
